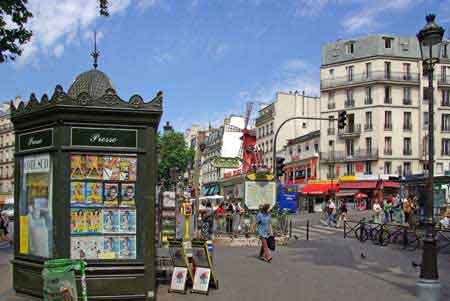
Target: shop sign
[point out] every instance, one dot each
(103, 137)
(347, 178)
(233, 173)
(322, 182)
(222, 162)
(36, 140)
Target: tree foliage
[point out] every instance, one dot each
(14, 34)
(173, 153)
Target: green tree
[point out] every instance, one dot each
(173, 153)
(15, 35)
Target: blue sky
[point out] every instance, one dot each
(208, 56)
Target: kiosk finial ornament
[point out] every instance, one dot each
(95, 54)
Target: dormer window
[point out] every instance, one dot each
(387, 42)
(350, 48)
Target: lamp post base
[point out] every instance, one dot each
(428, 290)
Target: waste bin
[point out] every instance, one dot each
(59, 279)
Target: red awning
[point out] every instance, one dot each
(391, 184)
(358, 185)
(319, 188)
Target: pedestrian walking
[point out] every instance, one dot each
(331, 219)
(407, 209)
(207, 221)
(264, 230)
(4, 228)
(342, 213)
(387, 209)
(376, 210)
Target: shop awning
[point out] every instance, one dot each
(391, 184)
(346, 193)
(318, 188)
(358, 185)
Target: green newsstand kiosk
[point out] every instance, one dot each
(85, 187)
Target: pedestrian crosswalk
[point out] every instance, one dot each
(315, 231)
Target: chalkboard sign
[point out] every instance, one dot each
(103, 137)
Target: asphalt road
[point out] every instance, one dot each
(327, 267)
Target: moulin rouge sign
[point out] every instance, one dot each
(36, 140)
(103, 137)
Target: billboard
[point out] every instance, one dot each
(258, 193)
(287, 197)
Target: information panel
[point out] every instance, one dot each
(258, 193)
(103, 206)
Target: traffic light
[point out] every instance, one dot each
(342, 120)
(280, 166)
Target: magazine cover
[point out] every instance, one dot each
(94, 194)
(127, 220)
(77, 193)
(111, 168)
(128, 169)
(128, 195)
(85, 247)
(94, 167)
(93, 220)
(77, 167)
(110, 247)
(110, 220)
(111, 194)
(77, 221)
(127, 247)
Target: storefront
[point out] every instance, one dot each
(85, 165)
(315, 193)
(358, 194)
(232, 187)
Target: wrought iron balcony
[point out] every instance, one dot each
(388, 151)
(407, 152)
(368, 101)
(372, 76)
(349, 103)
(388, 100)
(357, 155)
(331, 106)
(331, 131)
(444, 80)
(407, 101)
(407, 127)
(445, 103)
(350, 131)
(388, 127)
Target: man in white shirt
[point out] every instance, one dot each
(331, 217)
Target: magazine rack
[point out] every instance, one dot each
(85, 189)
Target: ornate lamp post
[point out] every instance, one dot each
(430, 41)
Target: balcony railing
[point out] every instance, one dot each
(348, 131)
(331, 131)
(444, 80)
(388, 127)
(358, 155)
(368, 127)
(373, 76)
(388, 151)
(407, 152)
(407, 101)
(331, 106)
(445, 103)
(445, 130)
(349, 103)
(388, 100)
(407, 127)
(368, 101)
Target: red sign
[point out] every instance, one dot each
(233, 173)
(359, 167)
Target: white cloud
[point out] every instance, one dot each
(56, 24)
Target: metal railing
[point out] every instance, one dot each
(349, 103)
(358, 155)
(388, 151)
(368, 101)
(372, 76)
(407, 101)
(331, 106)
(368, 127)
(388, 100)
(235, 224)
(350, 130)
(444, 80)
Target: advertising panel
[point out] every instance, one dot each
(258, 193)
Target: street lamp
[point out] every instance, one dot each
(430, 42)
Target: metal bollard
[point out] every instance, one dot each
(345, 229)
(290, 229)
(307, 230)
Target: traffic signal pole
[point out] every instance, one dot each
(274, 143)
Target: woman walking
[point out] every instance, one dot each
(342, 213)
(264, 229)
(4, 223)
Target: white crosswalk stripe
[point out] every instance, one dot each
(315, 231)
